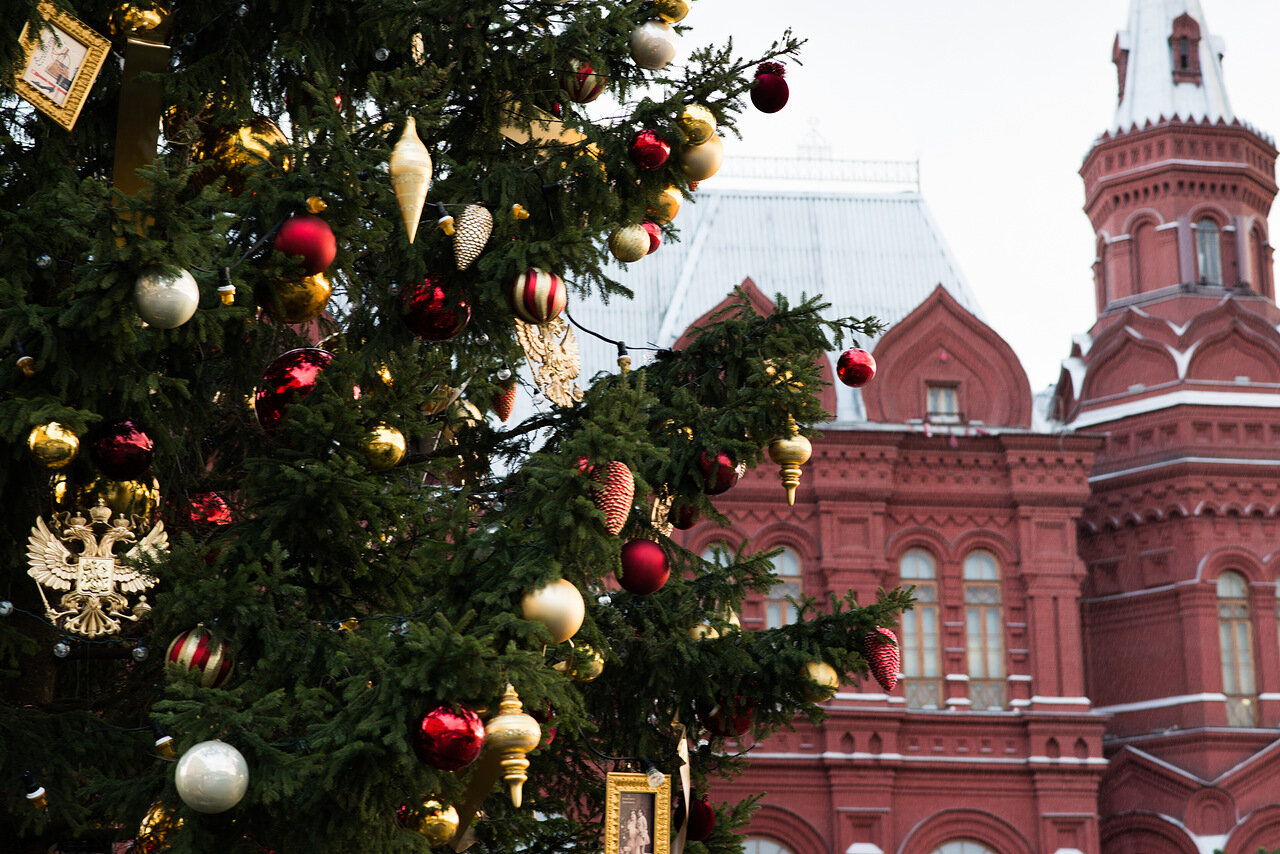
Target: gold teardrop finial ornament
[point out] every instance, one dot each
(511, 735)
(410, 170)
(790, 453)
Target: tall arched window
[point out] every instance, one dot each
(1209, 252)
(963, 846)
(1235, 640)
(984, 630)
(921, 646)
(1261, 263)
(760, 845)
(777, 610)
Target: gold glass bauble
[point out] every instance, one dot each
(385, 447)
(132, 499)
(437, 821)
(706, 631)
(154, 829)
(53, 445)
(700, 162)
(130, 18)
(671, 11)
(587, 665)
(234, 152)
(558, 606)
(298, 300)
(629, 243)
(697, 123)
(826, 677)
(666, 207)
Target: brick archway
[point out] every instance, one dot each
(787, 829)
(984, 827)
(1144, 833)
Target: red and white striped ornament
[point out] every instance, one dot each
(198, 650)
(505, 400)
(615, 490)
(537, 296)
(880, 648)
(581, 83)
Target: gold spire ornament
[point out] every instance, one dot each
(552, 351)
(790, 453)
(472, 233)
(511, 735)
(94, 575)
(410, 170)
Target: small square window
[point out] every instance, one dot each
(943, 404)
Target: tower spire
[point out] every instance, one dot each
(1169, 64)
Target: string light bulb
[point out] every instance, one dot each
(35, 792)
(164, 742)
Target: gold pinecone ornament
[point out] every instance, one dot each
(471, 233)
(790, 453)
(511, 735)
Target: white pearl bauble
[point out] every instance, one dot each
(166, 297)
(211, 777)
(654, 44)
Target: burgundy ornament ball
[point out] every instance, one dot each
(655, 235)
(728, 720)
(770, 92)
(209, 508)
(433, 312)
(702, 819)
(683, 515)
(719, 472)
(448, 739)
(648, 150)
(856, 367)
(645, 568)
(121, 449)
(290, 377)
(310, 237)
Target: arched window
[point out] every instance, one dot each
(1235, 640)
(1209, 252)
(984, 630)
(963, 846)
(1261, 263)
(760, 845)
(777, 610)
(921, 646)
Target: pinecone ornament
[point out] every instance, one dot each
(880, 648)
(615, 489)
(506, 400)
(471, 233)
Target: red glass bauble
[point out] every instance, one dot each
(728, 720)
(434, 313)
(448, 738)
(770, 91)
(310, 237)
(120, 449)
(648, 150)
(855, 367)
(655, 235)
(209, 508)
(644, 567)
(702, 818)
(290, 377)
(546, 718)
(719, 472)
(683, 515)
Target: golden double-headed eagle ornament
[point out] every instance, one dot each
(82, 560)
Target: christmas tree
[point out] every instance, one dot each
(265, 512)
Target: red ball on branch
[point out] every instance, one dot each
(448, 738)
(645, 568)
(728, 720)
(432, 312)
(121, 449)
(856, 367)
(290, 377)
(648, 150)
(309, 237)
(655, 235)
(719, 472)
(683, 514)
(770, 91)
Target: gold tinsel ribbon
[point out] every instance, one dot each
(146, 56)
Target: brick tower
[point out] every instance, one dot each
(1181, 372)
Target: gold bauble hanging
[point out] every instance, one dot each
(53, 445)
(629, 243)
(154, 829)
(790, 453)
(667, 205)
(827, 678)
(435, 820)
(410, 172)
(706, 631)
(385, 446)
(511, 735)
(700, 162)
(557, 605)
(697, 123)
(583, 665)
(132, 499)
(234, 153)
(671, 11)
(299, 300)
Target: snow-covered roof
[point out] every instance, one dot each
(1150, 93)
(857, 233)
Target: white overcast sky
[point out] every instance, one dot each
(1000, 100)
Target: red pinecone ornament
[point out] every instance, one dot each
(770, 91)
(880, 648)
(506, 400)
(615, 489)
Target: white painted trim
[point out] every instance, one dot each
(1183, 397)
(1019, 703)
(957, 677)
(1068, 851)
(1128, 594)
(841, 695)
(1268, 695)
(1233, 461)
(863, 848)
(1019, 677)
(898, 757)
(1066, 760)
(1064, 701)
(958, 701)
(1165, 226)
(1160, 703)
(1172, 161)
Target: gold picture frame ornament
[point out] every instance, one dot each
(634, 810)
(61, 61)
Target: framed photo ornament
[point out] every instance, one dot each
(637, 816)
(61, 61)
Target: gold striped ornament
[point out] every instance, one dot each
(200, 651)
(581, 83)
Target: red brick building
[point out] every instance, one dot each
(1094, 662)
